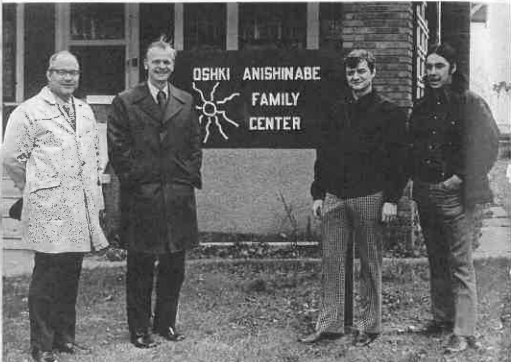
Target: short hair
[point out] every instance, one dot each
(162, 43)
(446, 51)
(54, 57)
(359, 55)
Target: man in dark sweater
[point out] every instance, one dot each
(454, 143)
(358, 180)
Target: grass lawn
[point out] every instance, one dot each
(255, 311)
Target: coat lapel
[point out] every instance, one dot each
(147, 103)
(58, 117)
(80, 118)
(174, 105)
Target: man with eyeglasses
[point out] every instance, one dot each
(154, 148)
(51, 152)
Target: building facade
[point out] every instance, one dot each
(258, 157)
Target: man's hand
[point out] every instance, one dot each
(453, 182)
(317, 208)
(388, 212)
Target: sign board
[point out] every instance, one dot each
(264, 98)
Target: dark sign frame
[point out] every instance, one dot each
(261, 98)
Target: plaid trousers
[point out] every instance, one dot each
(343, 218)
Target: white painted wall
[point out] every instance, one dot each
(490, 60)
(241, 190)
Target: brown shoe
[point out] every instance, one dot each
(43, 356)
(363, 339)
(72, 348)
(170, 334)
(456, 344)
(474, 343)
(320, 336)
(143, 340)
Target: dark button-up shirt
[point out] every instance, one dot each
(437, 139)
(452, 132)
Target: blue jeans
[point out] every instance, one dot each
(448, 242)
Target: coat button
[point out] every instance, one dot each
(433, 132)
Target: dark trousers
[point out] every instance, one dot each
(52, 299)
(170, 274)
(449, 244)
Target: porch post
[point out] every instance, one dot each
(232, 26)
(179, 15)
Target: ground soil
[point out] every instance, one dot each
(255, 311)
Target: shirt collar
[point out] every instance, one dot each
(154, 91)
(51, 98)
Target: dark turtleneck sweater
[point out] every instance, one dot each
(362, 149)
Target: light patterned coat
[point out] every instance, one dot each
(57, 170)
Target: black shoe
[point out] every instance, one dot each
(43, 356)
(318, 337)
(71, 347)
(362, 339)
(436, 327)
(170, 334)
(143, 340)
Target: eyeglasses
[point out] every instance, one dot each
(64, 72)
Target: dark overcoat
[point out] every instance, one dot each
(157, 156)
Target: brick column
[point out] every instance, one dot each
(456, 31)
(386, 29)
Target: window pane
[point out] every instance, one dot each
(39, 19)
(9, 51)
(273, 25)
(97, 21)
(155, 19)
(102, 69)
(205, 26)
(330, 19)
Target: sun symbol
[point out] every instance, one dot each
(210, 110)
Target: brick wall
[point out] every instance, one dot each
(387, 30)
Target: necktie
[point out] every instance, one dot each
(68, 108)
(161, 99)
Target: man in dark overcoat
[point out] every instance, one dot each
(154, 148)
(454, 143)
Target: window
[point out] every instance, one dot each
(102, 69)
(97, 33)
(330, 20)
(205, 26)
(9, 52)
(272, 25)
(97, 21)
(421, 47)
